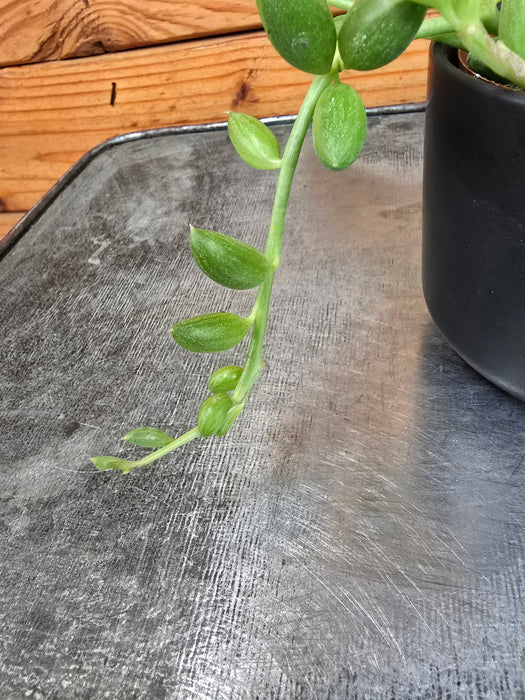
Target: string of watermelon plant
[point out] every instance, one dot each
(369, 35)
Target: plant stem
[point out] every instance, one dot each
(289, 164)
(254, 362)
(177, 442)
(259, 315)
(494, 54)
(438, 29)
(433, 26)
(126, 466)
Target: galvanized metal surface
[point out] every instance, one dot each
(359, 534)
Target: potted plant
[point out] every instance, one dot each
(462, 290)
(474, 218)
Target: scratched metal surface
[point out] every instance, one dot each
(358, 535)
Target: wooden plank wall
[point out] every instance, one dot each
(76, 72)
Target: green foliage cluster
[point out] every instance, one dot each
(370, 34)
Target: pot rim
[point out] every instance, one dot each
(447, 58)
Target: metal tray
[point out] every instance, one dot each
(358, 534)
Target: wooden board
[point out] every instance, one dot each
(52, 113)
(8, 220)
(32, 31)
(41, 30)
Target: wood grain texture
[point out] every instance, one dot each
(32, 31)
(7, 220)
(54, 112)
(42, 30)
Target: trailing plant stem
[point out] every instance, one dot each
(259, 314)
(289, 164)
(166, 449)
(254, 361)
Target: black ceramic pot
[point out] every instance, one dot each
(474, 219)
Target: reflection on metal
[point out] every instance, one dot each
(359, 534)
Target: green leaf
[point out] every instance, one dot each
(301, 31)
(375, 32)
(512, 25)
(229, 262)
(211, 332)
(254, 141)
(148, 437)
(212, 414)
(224, 379)
(105, 463)
(339, 126)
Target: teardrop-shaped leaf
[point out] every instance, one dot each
(211, 332)
(212, 414)
(339, 126)
(224, 379)
(302, 31)
(105, 463)
(253, 141)
(148, 437)
(375, 32)
(225, 260)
